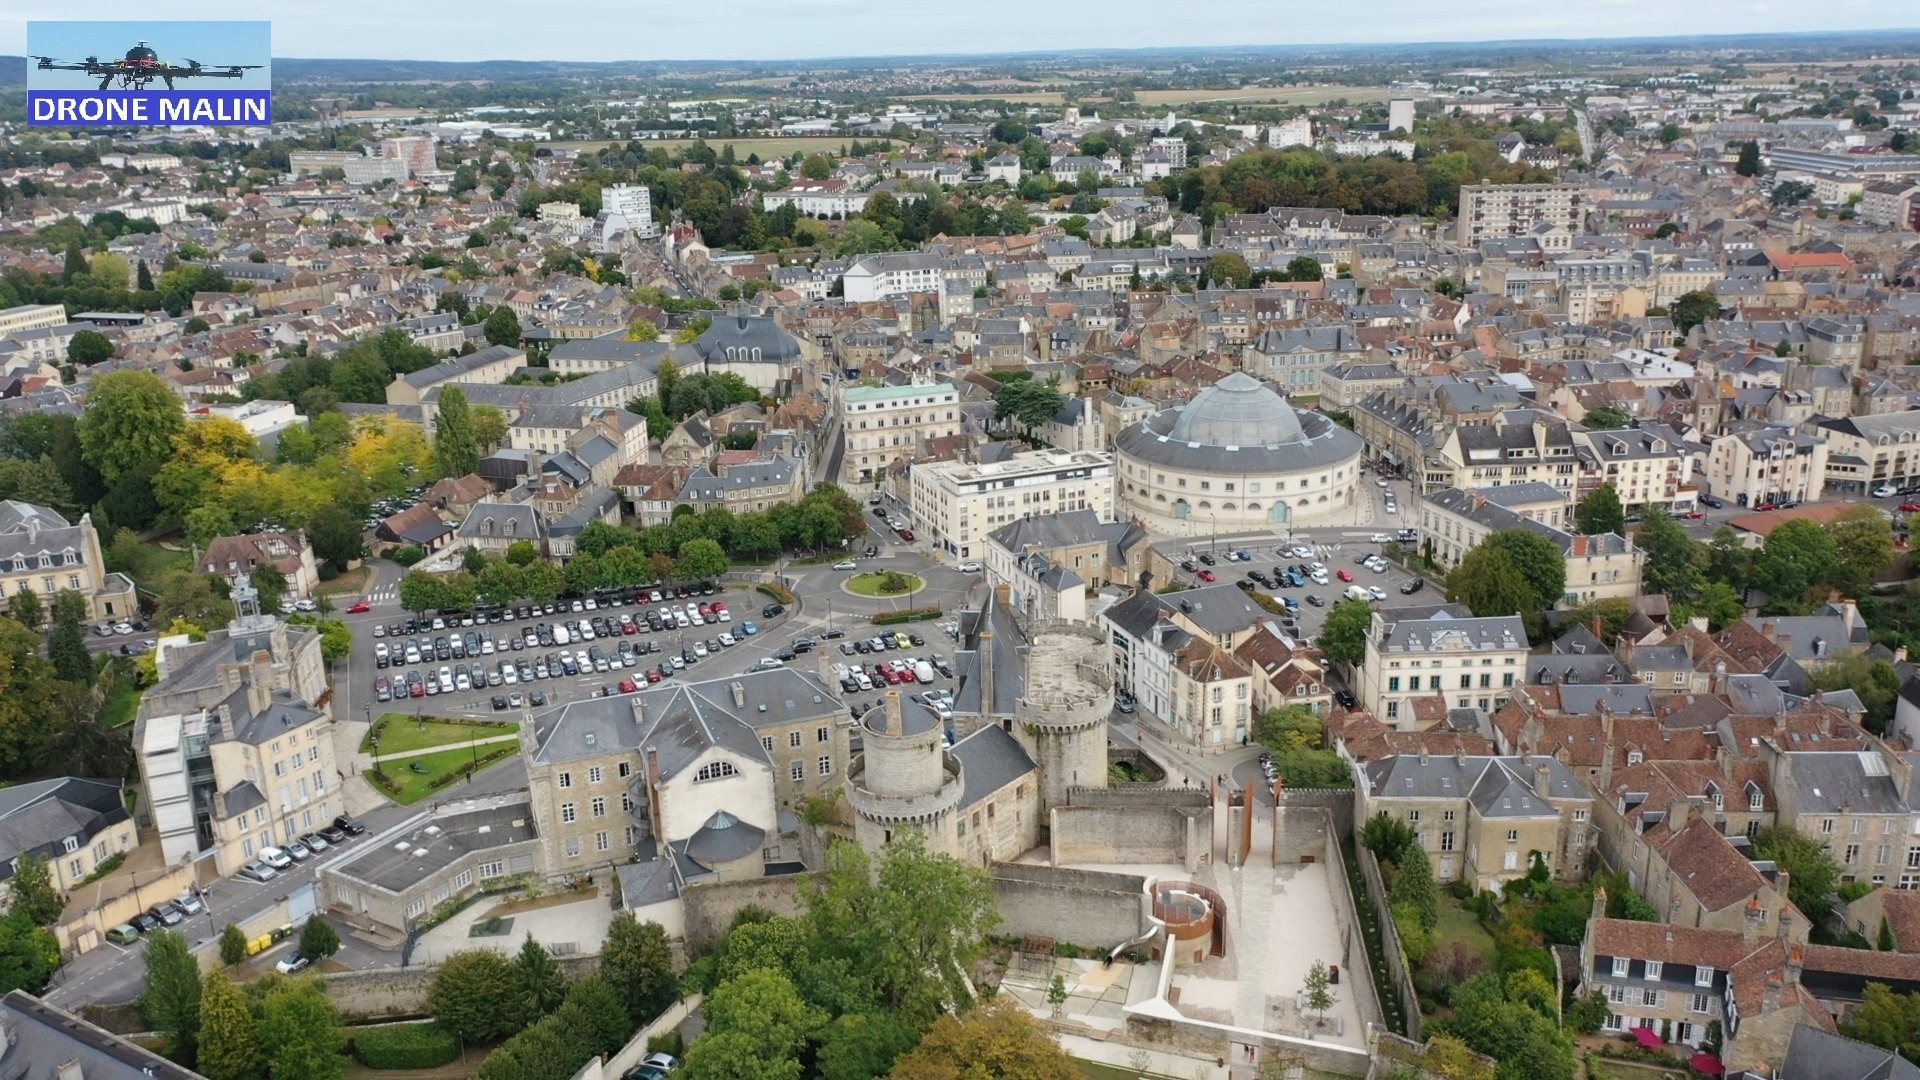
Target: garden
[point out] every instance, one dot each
(884, 583)
(408, 780)
(398, 733)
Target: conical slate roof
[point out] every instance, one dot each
(1238, 410)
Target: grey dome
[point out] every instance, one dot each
(723, 839)
(1239, 410)
(742, 337)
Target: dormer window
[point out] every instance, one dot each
(1620, 965)
(1653, 969)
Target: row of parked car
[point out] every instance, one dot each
(273, 860)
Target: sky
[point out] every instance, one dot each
(212, 43)
(598, 30)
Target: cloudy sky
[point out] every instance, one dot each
(798, 29)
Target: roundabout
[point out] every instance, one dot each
(883, 584)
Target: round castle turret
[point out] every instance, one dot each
(904, 778)
(1061, 719)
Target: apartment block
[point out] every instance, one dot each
(1467, 662)
(1502, 211)
(959, 503)
(888, 424)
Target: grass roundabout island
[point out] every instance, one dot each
(884, 583)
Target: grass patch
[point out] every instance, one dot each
(398, 733)
(353, 582)
(1459, 926)
(409, 780)
(121, 705)
(521, 907)
(884, 583)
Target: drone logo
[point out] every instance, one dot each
(141, 86)
(141, 66)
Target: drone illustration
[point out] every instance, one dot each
(142, 66)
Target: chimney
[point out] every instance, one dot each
(1599, 904)
(1795, 960)
(70, 1070)
(1543, 780)
(1423, 754)
(260, 682)
(895, 726)
(1750, 926)
(1772, 999)
(740, 694)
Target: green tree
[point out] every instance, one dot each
(1031, 403)
(1813, 875)
(997, 1041)
(638, 964)
(1316, 993)
(1490, 585)
(860, 1046)
(758, 1025)
(1796, 556)
(1718, 601)
(503, 328)
(67, 641)
(29, 955)
(539, 986)
(1672, 567)
(1541, 563)
(1228, 269)
(228, 1050)
(170, 998)
(1887, 1019)
(642, 330)
(1304, 268)
(73, 270)
(1749, 163)
(300, 1034)
(489, 428)
(700, 560)
(318, 939)
(336, 536)
(1414, 886)
(270, 583)
(25, 608)
(1527, 1045)
(1692, 309)
(130, 422)
(1600, 512)
(33, 893)
(522, 552)
(473, 996)
(89, 347)
(594, 1007)
(1875, 682)
(233, 945)
(1863, 550)
(454, 445)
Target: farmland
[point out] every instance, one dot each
(765, 147)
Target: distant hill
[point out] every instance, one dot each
(13, 72)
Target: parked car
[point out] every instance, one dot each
(291, 963)
(189, 902)
(167, 914)
(258, 871)
(124, 934)
(352, 825)
(1414, 585)
(276, 858)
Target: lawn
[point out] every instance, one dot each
(875, 584)
(400, 733)
(120, 706)
(353, 582)
(1458, 925)
(411, 779)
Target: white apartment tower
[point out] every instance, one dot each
(1504, 211)
(632, 202)
(1400, 114)
(1295, 132)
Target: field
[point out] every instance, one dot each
(1262, 95)
(766, 148)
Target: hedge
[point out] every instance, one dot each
(888, 618)
(776, 592)
(406, 1046)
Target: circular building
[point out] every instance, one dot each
(1236, 457)
(904, 777)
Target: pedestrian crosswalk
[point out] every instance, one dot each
(386, 594)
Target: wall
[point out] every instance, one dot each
(87, 929)
(1397, 968)
(1082, 907)
(389, 993)
(1142, 833)
(1336, 801)
(710, 909)
(636, 1049)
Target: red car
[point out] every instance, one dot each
(1910, 506)
(629, 627)
(1345, 575)
(1695, 515)
(628, 686)
(653, 675)
(418, 689)
(719, 605)
(906, 534)
(1205, 575)
(361, 607)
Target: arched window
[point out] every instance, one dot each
(1205, 505)
(1226, 506)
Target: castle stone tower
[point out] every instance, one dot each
(1061, 719)
(904, 778)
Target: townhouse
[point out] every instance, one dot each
(1443, 654)
(1483, 820)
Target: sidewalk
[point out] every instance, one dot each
(425, 750)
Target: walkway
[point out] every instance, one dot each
(425, 750)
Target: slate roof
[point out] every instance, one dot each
(722, 839)
(1497, 786)
(681, 721)
(1835, 782)
(38, 817)
(1422, 635)
(460, 365)
(437, 843)
(1823, 1055)
(31, 531)
(42, 1039)
(990, 759)
(504, 521)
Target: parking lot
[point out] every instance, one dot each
(1311, 598)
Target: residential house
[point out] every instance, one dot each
(287, 552)
(40, 551)
(1483, 820)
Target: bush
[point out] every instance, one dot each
(670, 1042)
(406, 1046)
(1460, 890)
(407, 554)
(888, 618)
(777, 592)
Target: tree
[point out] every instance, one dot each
(997, 1041)
(336, 536)
(860, 1046)
(67, 641)
(29, 955)
(592, 1006)
(1887, 1019)
(233, 945)
(916, 926)
(73, 270)
(1527, 1044)
(1032, 403)
(1692, 309)
(1672, 567)
(318, 939)
(1749, 163)
(1413, 885)
(699, 560)
(299, 1032)
(143, 277)
(1795, 557)
(130, 423)
(638, 964)
(228, 1050)
(489, 427)
(33, 893)
(1863, 549)
(642, 330)
(170, 1000)
(1812, 872)
(1600, 512)
(1489, 584)
(454, 444)
(503, 327)
(758, 1025)
(1607, 418)
(473, 996)
(270, 583)
(1540, 561)
(26, 609)
(539, 986)
(1875, 682)
(89, 347)
(1228, 269)
(1304, 268)
(1316, 992)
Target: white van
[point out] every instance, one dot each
(1358, 592)
(560, 635)
(923, 671)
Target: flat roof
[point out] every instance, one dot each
(434, 844)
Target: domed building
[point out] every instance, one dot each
(1236, 457)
